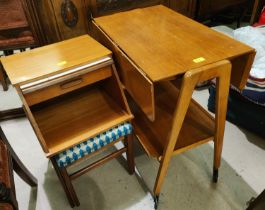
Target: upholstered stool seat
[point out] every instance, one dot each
(93, 144)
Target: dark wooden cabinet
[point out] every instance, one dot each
(209, 8)
(185, 7)
(104, 7)
(64, 19)
(256, 11)
(71, 21)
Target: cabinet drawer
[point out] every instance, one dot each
(66, 85)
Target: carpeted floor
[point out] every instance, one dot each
(9, 99)
(188, 183)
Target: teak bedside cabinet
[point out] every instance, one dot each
(73, 98)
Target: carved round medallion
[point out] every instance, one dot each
(69, 13)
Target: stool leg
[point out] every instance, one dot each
(68, 188)
(129, 153)
(69, 185)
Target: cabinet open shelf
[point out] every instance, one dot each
(74, 117)
(198, 126)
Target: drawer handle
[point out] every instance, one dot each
(71, 83)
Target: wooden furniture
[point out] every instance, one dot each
(103, 7)
(208, 9)
(3, 78)
(65, 19)
(9, 161)
(257, 7)
(70, 18)
(73, 98)
(19, 27)
(6, 206)
(12, 113)
(62, 19)
(160, 65)
(258, 203)
(18, 30)
(185, 7)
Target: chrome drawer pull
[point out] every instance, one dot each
(71, 83)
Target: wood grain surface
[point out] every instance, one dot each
(164, 43)
(52, 59)
(77, 116)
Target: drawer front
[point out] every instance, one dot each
(66, 86)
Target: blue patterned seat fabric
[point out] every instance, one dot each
(93, 144)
